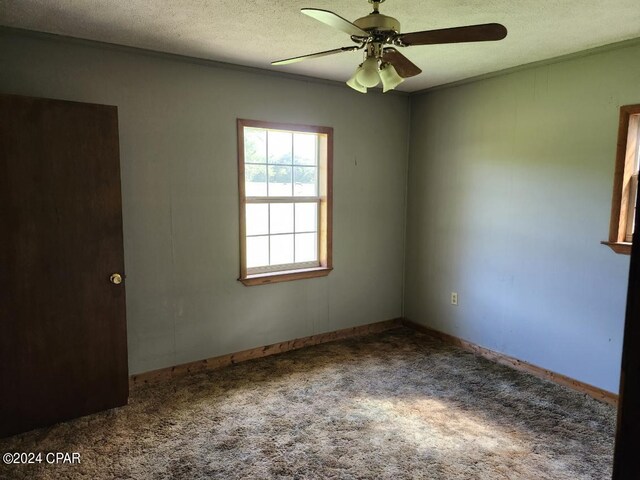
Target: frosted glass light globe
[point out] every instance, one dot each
(353, 82)
(390, 78)
(368, 76)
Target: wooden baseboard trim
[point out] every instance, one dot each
(595, 392)
(214, 363)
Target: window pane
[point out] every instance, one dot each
(305, 148)
(306, 217)
(305, 181)
(255, 180)
(280, 147)
(306, 247)
(257, 219)
(281, 217)
(280, 184)
(257, 251)
(255, 145)
(281, 249)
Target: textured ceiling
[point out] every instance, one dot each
(256, 32)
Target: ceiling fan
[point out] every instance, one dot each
(378, 36)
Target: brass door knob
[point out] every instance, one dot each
(116, 278)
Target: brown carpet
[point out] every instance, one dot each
(394, 405)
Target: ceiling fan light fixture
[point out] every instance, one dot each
(390, 78)
(368, 75)
(379, 36)
(354, 83)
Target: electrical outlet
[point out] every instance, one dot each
(454, 298)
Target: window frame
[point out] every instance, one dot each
(325, 202)
(622, 206)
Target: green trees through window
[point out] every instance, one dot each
(284, 197)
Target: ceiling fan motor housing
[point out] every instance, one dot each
(378, 22)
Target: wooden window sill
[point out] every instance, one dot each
(619, 247)
(286, 276)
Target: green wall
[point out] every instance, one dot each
(509, 196)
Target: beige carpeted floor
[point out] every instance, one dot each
(394, 405)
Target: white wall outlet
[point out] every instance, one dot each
(454, 298)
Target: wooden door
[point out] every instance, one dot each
(63, 350)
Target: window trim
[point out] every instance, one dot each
(627, 149)
(325, 232)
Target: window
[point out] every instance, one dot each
(284, 178)
(625, 182)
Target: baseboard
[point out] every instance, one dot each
(214, 363)
(595, 392)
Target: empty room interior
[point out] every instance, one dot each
(346, 240)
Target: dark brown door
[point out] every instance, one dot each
(63, 350)
(626, 461)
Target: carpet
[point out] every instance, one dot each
(396, 405)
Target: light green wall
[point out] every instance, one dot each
(509, 196)
(180, 199)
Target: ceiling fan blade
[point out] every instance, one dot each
(472, 33)
(335, 21)
(402, 64)
(286, 61)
